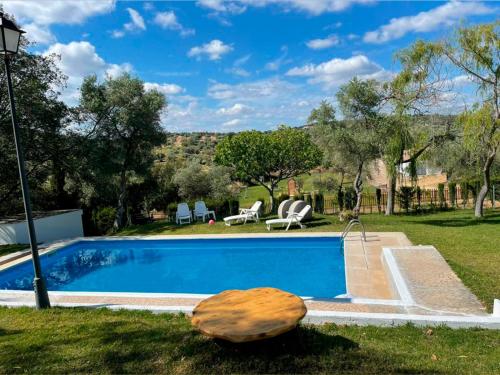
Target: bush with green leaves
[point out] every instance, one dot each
(406, 194)
(103, 219)
(441, 197)
(452, 190)
(196, 181)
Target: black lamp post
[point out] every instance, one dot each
(10, 36)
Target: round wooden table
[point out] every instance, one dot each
(248, 315)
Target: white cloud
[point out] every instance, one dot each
(234, 110)
(238, 71)
(118, 34)
(231, 123)
(80, 59)
(331, 41)
(242, 60)
(442, 16)
(39, 15)
(213, 50)
(39, 33)
(116, 70)
(313, 7)
(136, 24)
(222, 6)
(274, 65)
(337, 71)
(168, 20)
(249, 91)
(165, 88)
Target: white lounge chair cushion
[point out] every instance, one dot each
(237, 217)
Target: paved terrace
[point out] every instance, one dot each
(388, 281)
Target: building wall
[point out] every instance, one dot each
(57, 227)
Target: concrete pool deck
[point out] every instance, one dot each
(389, 282)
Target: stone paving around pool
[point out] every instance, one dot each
(389, 281)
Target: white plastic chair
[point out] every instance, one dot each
(183, 213)
(201, 211)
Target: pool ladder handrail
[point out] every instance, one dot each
(349, 226)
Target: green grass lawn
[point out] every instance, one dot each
(248, 196)
(470, 246)
(80, 340)
(6, 249)
(103, 341)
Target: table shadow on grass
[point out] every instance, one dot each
(301, 350)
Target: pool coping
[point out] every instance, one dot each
(398, 283)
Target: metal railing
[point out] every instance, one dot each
(349, 226)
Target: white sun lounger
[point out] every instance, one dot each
(245, 215)
(292, 218)
(183, 214)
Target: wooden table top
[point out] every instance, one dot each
(248, 315)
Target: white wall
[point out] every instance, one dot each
(50, 228)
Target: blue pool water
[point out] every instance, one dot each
(306, 266)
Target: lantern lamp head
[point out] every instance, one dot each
(10, 35)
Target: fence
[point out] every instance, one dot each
(426, 198)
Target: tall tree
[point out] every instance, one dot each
(324, 124)
(44, 122)
(355, 141)
(413, 92)
(268, 158)
(473, 52)
(125, 123)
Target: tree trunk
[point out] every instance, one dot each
(358, 187)
(271, 198)
(391, 194)
(120, 211)
(478, 210)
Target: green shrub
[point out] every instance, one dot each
(350, 198)
(418, 191)
(464, 193)
(346, 215)
(378, 196)
(319, 202)
(298, 197)
(452, 190)
(104, 219)
(406, 194)
(340, 198)
(308, 199)
(442, 201)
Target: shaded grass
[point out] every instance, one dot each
(469, 245)
(103, 341)
(7, 249)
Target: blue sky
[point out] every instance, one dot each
(229, 66)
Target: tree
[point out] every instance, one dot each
(324, 132)
(482, 140)
(268, 158)
(410, 95)
(360, 136)
(124, 120)
(45, 133)
(475, 53)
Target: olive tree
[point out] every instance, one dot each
(125, 125)
(268, 158)
(475, 53)
(354, 142)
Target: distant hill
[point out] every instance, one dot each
(181, 147)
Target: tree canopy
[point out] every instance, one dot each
(270, 157)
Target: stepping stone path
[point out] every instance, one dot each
(248, 315)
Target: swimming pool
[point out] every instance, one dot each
(306, 266)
